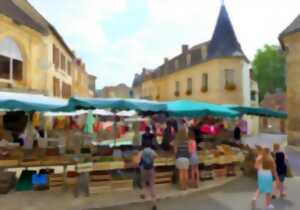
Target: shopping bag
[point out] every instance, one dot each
(289, 171)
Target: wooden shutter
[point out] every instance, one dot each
(56, 87)
(69, 68)
(66, 90)
(63, 62)
(205, 80)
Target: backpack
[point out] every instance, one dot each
(147, 159)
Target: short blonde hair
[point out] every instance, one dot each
(276, 147)
(268, 162)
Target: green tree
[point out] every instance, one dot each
(269, 70)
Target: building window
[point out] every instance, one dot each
(157, 97)
(189, 90)
(204, 87)
(176, 64)
(204, 52)
(11, 61)
(55, 56)
(177, 88)
(69, 68)
(56, 87)
(188, 59)
(4, 67)
(63, 62)
(229, 79)
(253, 95)
(66, 90)
(17, 70)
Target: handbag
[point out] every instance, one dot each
(289, 171)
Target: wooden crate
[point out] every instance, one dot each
(209, 162)
(163, 177)
(206, 175)
(56, 181)
(100, 176)
(224, 159)
(126, 184)
(219, 173)
(28, 163)
(101, 166)
(99, 183)
(231, 170)
(52, 160)
(56, 177)
(84, 167)
(56, 188)
(7, 163)
(99, 189)
(72, 180)
(162, 161)
(117, 165)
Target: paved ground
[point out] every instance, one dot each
(265, 139)
(236, 195)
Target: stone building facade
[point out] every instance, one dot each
(34, 57)
(216, 71)
(290, 41)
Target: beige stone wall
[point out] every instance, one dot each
(38, 67)
(292, 43)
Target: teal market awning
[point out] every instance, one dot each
(10, 101)
(115, 104)
(258, 111)
(185, 108)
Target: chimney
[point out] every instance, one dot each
(166, 60)
(144, 70)
(185, 48)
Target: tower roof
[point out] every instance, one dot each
(294, 27)
(224, 42)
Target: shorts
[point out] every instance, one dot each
(182, 163)
(265, 181)
(148, 177)
(281, 178)
(194, 160)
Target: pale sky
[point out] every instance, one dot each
(117, 38)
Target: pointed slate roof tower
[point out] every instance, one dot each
(224, 42)
(294, 27)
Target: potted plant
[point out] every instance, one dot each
(204, 89)
(177, 94)
(188, 92)
(230, 86)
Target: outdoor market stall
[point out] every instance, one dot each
(109, 167)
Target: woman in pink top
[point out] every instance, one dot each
(194, 160)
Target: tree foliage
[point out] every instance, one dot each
(269, 70)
